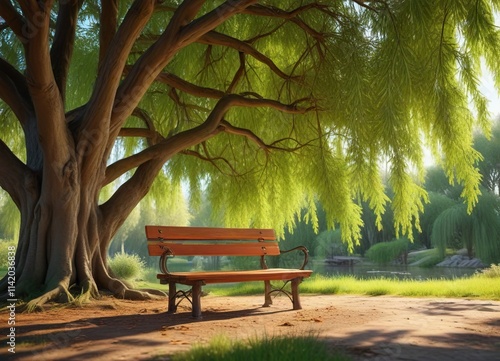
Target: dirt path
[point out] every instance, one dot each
(368, 328)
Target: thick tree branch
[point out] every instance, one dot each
(175, 82)
(64, 38)
(149, 132)
(98, 113)
(163, 150)
(111, 70)
(212, 126)
(13, 173)
(14, 91)
(13, 19)
(109, 23)
(138, 132)
(143, 73)
(45, 95)
(180, 32)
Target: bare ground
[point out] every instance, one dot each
(367, 328)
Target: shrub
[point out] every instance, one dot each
(386, 252)
(126, 266)
(430, 261)
(492, 272)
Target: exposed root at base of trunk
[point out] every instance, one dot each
(61, 295)
(154, 292)
(137, 295)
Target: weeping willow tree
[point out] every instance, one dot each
(489, 166)
(478, 232)
(262, 107)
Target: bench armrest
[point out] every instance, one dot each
(163, 260)
(302, 249)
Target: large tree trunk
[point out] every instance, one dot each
(63, 242)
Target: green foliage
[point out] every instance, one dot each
(329, 244)
(479, 231)
(437, 204)
(126, 266)
(372, 82)
(149, 275)
(164, 205)
(276, 348)
(5, 248)
(431, 261)
(386, 252)
(489, 165)
(425, 258)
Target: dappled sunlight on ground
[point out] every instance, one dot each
(367, 328)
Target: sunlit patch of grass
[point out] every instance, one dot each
(280, 348)
(32, 341)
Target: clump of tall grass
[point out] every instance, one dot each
(125, 266)
(280, 348)
(492, 272)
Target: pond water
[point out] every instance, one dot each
(365, 271)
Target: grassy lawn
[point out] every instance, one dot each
(477, 286)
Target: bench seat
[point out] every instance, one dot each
(270, 274)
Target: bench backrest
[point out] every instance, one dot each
(209, 241)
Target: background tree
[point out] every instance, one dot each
(489, 165)
(265, 106)
(437, 204)
(478, 232)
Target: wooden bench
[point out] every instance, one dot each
(168, 242)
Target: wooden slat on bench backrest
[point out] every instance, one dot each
(156, 248)
(207, 233)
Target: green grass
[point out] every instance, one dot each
(478, 286)
(281, 348)
(475, 286)
(483, 285)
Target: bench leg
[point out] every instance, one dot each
(196, 304)
(295, 293)
(172, 293)
(267, 294)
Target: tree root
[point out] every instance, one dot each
(154, 292)
(120, 289)
(59, 293)
(87, 293)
